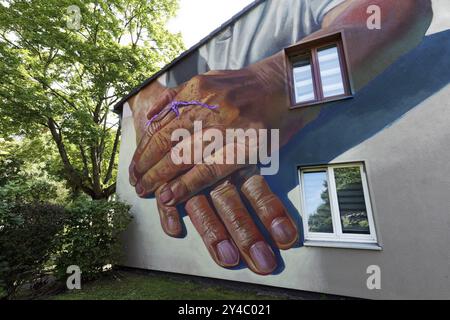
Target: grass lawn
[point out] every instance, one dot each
(135, 286)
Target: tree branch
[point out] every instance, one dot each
(95, 172)
(113, 157)
(85, 162)
(109, 191)
(72, 175)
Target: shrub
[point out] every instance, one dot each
(29, 189)
(36, 238)
(28, 234)
(91, 236)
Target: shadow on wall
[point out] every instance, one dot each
(342, 125)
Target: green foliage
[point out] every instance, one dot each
(131, 286)
(351, 200)
(36, 238)
(38, 232)
(59, 136)
(9, 168)
(62, 82)
(29, 191)
(346, 177)
(24, 175)
(91, 236)
(321, 220)
(347, 180)
(28, 233)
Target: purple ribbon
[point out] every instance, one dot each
(176, 105)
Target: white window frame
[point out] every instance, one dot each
(337, 235)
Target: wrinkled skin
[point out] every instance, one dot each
(242, 97)
(253, 97)
(174, 184)
(231, 234)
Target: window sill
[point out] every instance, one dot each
(343, 245)
(324, 101)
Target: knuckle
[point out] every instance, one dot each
(172, 164)
(201, 78)
(177, 156)
(205, 220)
(212, 232)
(162, 142)
(266, 200)
(199, 81)
(171, 93)
(269, 208)
(256, 189)
(243, 228)
(163, 98)
(200, 215)
(167, 95)
(154, 127)
(256, 180)
(147, 181)
(224, 197)
(207, 172)
(181, 189)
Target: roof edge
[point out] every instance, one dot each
(118, 107)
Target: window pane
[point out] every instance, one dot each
(303, 81)
(330, 72)
(352, 207)
(317, 202)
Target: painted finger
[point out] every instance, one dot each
(181, 158)
(195, 180)
(156, 107)
(165, 98)
(169, 218)
(162, 140)
(141, 103)
(213, 169)
(271, 211)
(253, 248)
(146, 139)
(239, 177)
(215, 237)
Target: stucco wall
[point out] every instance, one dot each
(399, 125)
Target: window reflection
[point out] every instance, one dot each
(352, 206)
(317, 202)
(330, 72)
(303, 80)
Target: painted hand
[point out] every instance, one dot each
(231, 233)
(226, 227)
(246, 99)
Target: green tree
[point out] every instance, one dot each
(29, 172)
(61, 78)
(320, 220)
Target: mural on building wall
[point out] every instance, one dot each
(239, 80)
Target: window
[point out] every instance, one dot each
(318, 71)
(303, 79)
(336, 204)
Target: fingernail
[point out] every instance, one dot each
(228, 253)
(263, 257)
(165, 195)
(283, 231)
